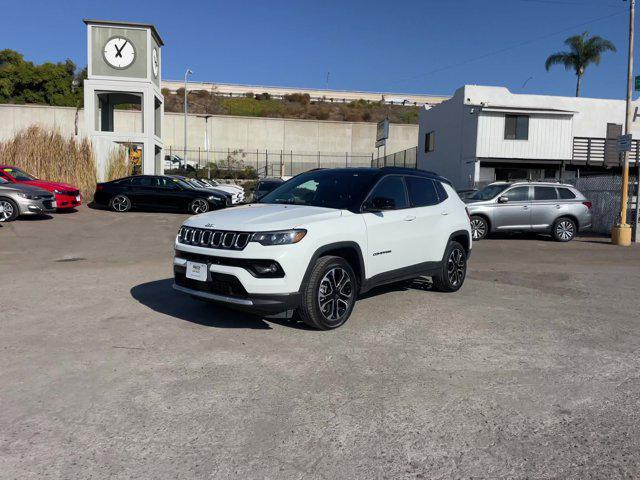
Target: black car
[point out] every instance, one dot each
(158, 192)
(265, 186)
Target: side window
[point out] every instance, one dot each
(544, 193)
(164, 182)
(566, 194)
(422, 191)
(517, 194)
(391, 187)
(141, 181)
(442, 193)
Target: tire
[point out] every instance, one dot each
(454, 269)
(198, 206)
(479, 227)
(9, 210)
(120, 203)
(319, 307)
(564, 229)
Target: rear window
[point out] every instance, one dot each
(422, 191)
(518, 194)
(544, 193)
(141, 181)
(566, 194)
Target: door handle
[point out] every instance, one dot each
(409, 218)
(526, 207)
(558, 206)
(445, 213)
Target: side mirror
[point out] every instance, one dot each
(379, 204)
(503, 199)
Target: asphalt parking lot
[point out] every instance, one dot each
(530, 371)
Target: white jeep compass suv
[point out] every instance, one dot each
(324, 237)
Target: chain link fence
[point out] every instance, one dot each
(603, 191)
(269, 163)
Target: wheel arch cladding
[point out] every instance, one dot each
(350, 251)
(462, 237)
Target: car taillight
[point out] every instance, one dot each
(587, 204)
(99, 187)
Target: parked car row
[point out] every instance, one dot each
(23, 194)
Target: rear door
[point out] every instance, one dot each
(515, 214)
(545, 207)
(427, 240)
(140, 190)
(390, 233)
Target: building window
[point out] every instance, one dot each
(430, 142)
(516, 127)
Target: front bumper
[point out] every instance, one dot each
(36, 207)
(68, 201)
(227, 290)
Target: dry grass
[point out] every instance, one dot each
(117, 164)
(50, 156)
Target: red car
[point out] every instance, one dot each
(66, 195)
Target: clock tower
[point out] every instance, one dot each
(123, 105)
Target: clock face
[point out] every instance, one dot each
(119, 52)
(155, 62)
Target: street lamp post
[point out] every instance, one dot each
(621, 233)
(186, 109)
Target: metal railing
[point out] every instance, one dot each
(281, 163)
(601, 151)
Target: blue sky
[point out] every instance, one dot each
(428, 46)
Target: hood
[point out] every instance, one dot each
(262, 217)
(226, 189)
(207, 192)
(50, 186)
(23, 187)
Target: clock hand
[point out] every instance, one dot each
(119, 50)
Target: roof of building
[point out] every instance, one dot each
(113, 23)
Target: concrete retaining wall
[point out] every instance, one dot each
(247, 133)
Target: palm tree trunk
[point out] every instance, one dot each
(578, 85)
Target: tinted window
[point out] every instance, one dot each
(488, 192)
(516, 127)
(141, 181)
(325, 188)
(422, 191)
(544, 193)
(518, 194)
(566, 194)
(442, 193)
(392, 188)
(168, 182)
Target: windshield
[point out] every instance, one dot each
(488, 192)
(18, 174)
(341, 189)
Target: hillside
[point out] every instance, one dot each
(292, 106)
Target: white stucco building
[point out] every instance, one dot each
(483, 134)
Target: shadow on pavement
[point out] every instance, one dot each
(160, 296)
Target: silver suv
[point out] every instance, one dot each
(554, 208)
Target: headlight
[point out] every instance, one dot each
(29, 196)
(213, 198)
(284, 237)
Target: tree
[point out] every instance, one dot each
(583, 51)
(49, 83)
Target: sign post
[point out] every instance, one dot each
(382, 133)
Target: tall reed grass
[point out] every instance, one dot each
(50, 156)
(118, 164)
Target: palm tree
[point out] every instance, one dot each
(583, 51)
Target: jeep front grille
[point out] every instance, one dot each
(201, 237)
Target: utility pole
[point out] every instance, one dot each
(327, 82)
(186, 110)
(621, 233)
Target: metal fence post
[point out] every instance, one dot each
(266, 163)
(281, 165)
(346, 159)
(291, 163)
(318, 159)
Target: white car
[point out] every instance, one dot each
(236, 196)
(235, 190)
(324, 237)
